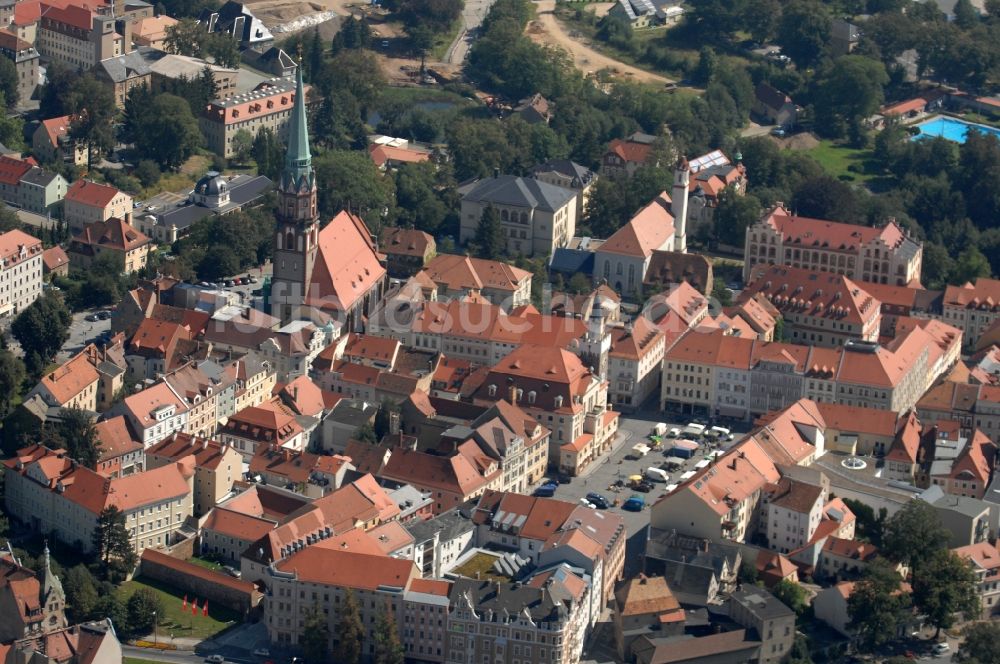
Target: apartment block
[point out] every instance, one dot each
(20, 271)
(269, 106)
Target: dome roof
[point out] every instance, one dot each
(211, 184)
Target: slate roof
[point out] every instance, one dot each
(519, 192)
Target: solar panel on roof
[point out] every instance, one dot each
(713, 158)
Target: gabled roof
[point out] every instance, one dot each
(54, 258)
(468, 273)
(114, 438)
(12, 170)
(90, 193)
(670, 267)
(771, 97)
(807, 292)
(631, 151)
(111, 233)
(347, 266)
(634, 342)
(66, 382)
(830, 235)
(528, 193)
(648, 230)
(405, 242)
(326, 564)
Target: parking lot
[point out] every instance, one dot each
(83, 332)
(600, 476)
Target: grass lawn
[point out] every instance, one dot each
(480, 566)
(837, 159)
(443, 40)
(184, 179)
(177, 621)
(207, 564)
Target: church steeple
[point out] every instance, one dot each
(53, 598)
(298, 159)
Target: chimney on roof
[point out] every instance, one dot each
(513, 394)
(704, 545)
(286, 454)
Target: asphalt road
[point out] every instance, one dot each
(473, 14)
(171, 656)
(81, 333)
(599, 476)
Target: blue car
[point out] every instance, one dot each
(546, 491)
(635, 503)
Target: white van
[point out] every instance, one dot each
(673, 433)
(722, 433)
(657, 474)
(670, 488)
(660, 429)
(701, 464)
(640, 449)
(694, 429)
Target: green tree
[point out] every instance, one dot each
(966, 16)
(111, 543)
(489, 240)
(185, 38)
(242, 146)
(388, 649)
(81, 593)
(220, 261)
(913, 534)
(92, 105)
(12, 374)
(268, 154)
(41, 330)
(707, 62)
(165, 131)
(791, 595)
(876, 605)
(733, 215)
(945, 585)
(826, 197)
(869, 523)
(144, 609)
(348, 180)
(761, 19)
(804, 31)
(350, 631)
(76, 433)
(366, 434)
(847, 92)
(419, 197)
(148, 172)
(110, 606)
(8, 82)
(383, 418)
(981, 644)
(315, 639)
(971, 265)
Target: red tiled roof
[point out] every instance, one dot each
(323, 564)
(56, 128)
(54, 257)
(645, 232)
(111, 233)
(630, 151)
(115, 439)
(73, 377)
(12, 170)
(818, 294)
(236, 525)
(90, 193)
(381, 154)
(405, 241)
(13, 242)
(984, 294)
(347, 266)
(830, 235)
(466, 272)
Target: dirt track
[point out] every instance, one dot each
(546, 29)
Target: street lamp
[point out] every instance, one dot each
(154, 628)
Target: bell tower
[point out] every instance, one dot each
(296, 233)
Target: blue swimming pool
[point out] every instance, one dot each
(952, 129)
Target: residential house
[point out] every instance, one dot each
(88, 202)
(569, 175)
(153, 413)
(535, 109)
(700, 572)
(720, 501)
(985, 560)
(85, 643)
(667, 268)
(884, 255)
(451, 480)
(29, 605)
(55, 262)
(635, 364)
(644, 605)
(216, 466)
(72, 385)
(127, 247)
(152, 31)
(260, 427)
(624, 157)
(312, 475)
(52, 142)
(774, 106)
(407, 250)
(391, 153)
(755, 608)
(973, 308)
(554, 386)
(535, 217)
(502, 284)
(20, 272)
(966, 519)
(237, 522)
(52, 494)
(120, 454)
(845, 558)
(830, 606)
(844, 36)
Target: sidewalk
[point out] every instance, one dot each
(621, 438)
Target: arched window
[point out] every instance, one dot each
(503, 215)
(290, 240)
(619, 269)
(524, 217)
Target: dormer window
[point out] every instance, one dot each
(531, 396)
(492, 389)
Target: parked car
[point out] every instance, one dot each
(230, 283)
(599, 501)
(635, 503)
(941, 648)
(545, 491)
(587, 503)
(215, 659)
(778, 131)
(252, 280)
(91, 318)
(104, 315)
(644, 487)
(262, 652)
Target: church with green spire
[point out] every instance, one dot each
(318, 274)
